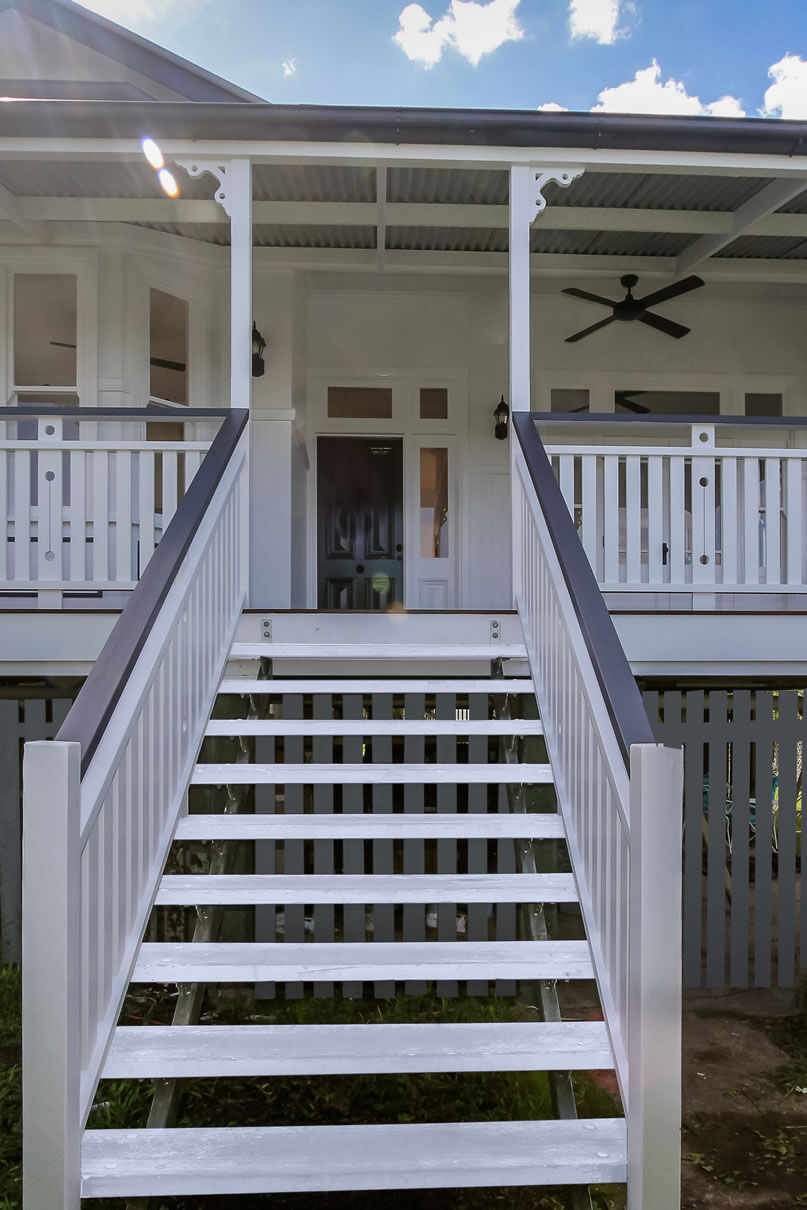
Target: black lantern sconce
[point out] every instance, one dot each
(502, 415)
(258, 346)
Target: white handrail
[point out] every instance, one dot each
(94, 849)
(624, 836)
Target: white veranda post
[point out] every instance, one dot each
(526, 203)
(234, 195)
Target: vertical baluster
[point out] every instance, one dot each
(752, 522)
(123, 570)
(268, 853)
(655, 517)
(478, 913)
(170, 486)
(703, 520)
(383, 850)
(78, 570)
(589, 509)
(355, 914)
(294, 850)
(716, 736)
(794, 520)
(145, 504)
(566, 480)
(414, 914)
(678, 522)
(322, 752)
(611, 517)
(193, 460)
(23, 469)
(633, 519)
(446, 849)
(100, 516)
(773, 514)
(729, 520)
(5, 516)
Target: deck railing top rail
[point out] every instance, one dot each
(617, 684)
(620, 418)
(96, 702)
(26, 411)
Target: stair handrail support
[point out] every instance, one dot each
(94, 845)
(620, 797)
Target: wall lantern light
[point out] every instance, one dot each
(502, 415)
(258, 346)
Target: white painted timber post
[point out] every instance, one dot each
(527, 201)
(239, 176)
(51, 959)
(654, 994)
(522, 212)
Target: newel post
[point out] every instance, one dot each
(654, 993)
(51, 969)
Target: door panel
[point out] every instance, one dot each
(359, 522)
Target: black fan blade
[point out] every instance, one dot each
(664, 325)
(597, 298)
(588, 331)
(61, 344)
(677, 288)
(164, 364)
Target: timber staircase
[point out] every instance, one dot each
(394, 840)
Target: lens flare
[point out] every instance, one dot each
(168, 183)
(152, 153)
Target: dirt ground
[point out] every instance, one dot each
(744, 1100)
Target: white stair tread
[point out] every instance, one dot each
(378, 651)
(142, 1163)
(371, 827)
(369, 726)
(367, 774)
(244, 962)
(366, 888)
(387, 685)
(176, 1052)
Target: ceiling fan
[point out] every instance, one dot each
(629, 308)
(162, 362)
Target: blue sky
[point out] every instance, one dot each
(725, 57)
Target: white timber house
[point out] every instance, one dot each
(249, 453)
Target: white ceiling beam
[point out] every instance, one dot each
(760, 206)
(384, 214)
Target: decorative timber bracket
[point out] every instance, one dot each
(220, 171)
(561, 176)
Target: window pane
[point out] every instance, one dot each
(434, 503)
(568, 399)
(360, 403)
(168, 347)
(757, 404)
(434, 403)
(667, 403)
(45, 329)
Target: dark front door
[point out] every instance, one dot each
(359, 522)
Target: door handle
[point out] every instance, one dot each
(399, 547)
(359, 567)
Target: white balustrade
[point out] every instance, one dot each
(624, 837)
(688, 516)
(82, 514)
(94, 848)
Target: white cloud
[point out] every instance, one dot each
(594, 19)
(472, 29)
(289, 68)
(552, 107)
(787, 96)
(647, 93)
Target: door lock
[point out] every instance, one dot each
(359, 568)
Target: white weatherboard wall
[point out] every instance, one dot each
(424, 329)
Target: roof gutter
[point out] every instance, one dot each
(236, 121)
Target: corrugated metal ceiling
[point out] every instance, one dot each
(484, 187)
(273, 235)
(656, 191)
(90, 178)
(765, 247)
(313, 183)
